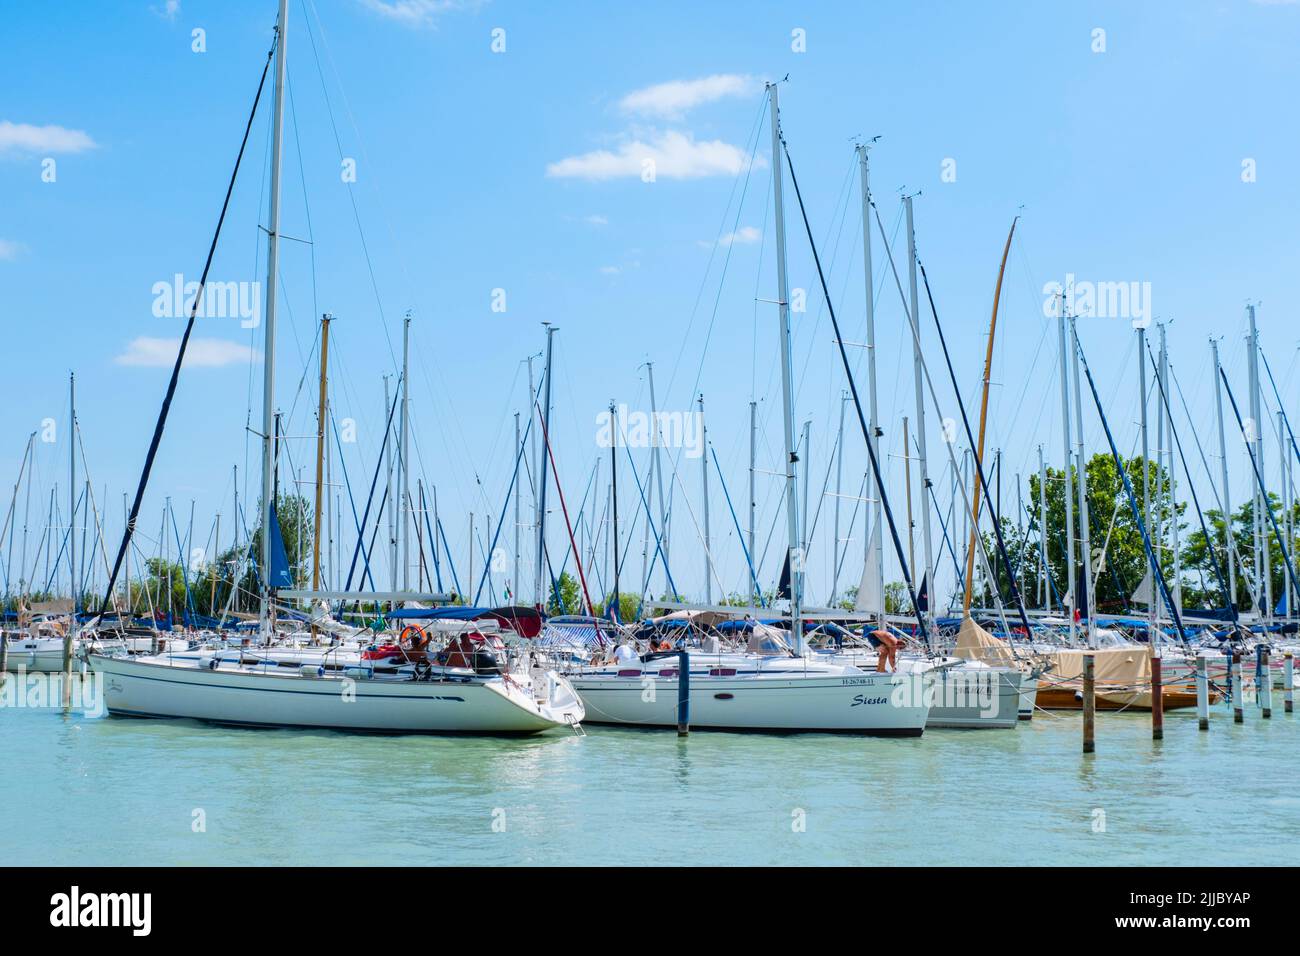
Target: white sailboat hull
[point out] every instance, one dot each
(44, 655)
(844, 701)
(1028, 694)
(35, 655)
(987, 699)
(152, 687)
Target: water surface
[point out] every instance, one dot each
(86, 790)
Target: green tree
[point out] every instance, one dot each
(627, 605)
(897, 600)
(569, 597)
(1199, 558)
(1119, 560)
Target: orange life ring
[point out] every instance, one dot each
(412, 644)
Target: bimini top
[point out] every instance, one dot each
(523, 620)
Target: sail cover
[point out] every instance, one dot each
(976, 644)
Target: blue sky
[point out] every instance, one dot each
(519, 171)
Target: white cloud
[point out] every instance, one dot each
(595, 219)
(148, 352)
(9, 249)
(25, 138)
(168, 10)
(743, 235)
(611, 270)
(675, 155)
(671, 100)
(416, 13)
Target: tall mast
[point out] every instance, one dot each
(613, 490)
(874, 539)
(1157, 528)
(126, 514)
(268, 351)
(71, 634)
(984, 411)
(1068, 492)
(839, 473)
(907, 481)
(793, 553)
(753, 459)
(329, 512)
(537, 468)
(419, 528)
(704, 478)
(1043, 590)
(806, 444)
(1146, 464)
(927, 574)
(1262, 506)
(1284, 463)
(541, 491)
(320, 449)
(1020, 530)
(1164, 409)
(1085, 539)
(656, 466)
(514, 568)
(320, 457)
(389, 497)
(404, 456)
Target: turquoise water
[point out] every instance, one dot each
(81, 790)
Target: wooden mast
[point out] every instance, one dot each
(321, 410)
(984, 410)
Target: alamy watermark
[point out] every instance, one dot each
(977, 690)
(1084, 298)
(40, 690)
(221, 300)
(640, 429)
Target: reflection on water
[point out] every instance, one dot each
(105, 791)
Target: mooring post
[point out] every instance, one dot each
(4, 662)
(1203, 692)
(1157, 698)
(1089, 704)
(1288, 672)
(1238, 692)
(683, 693)
(1263, 681)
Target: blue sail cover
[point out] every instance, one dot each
(280, 576)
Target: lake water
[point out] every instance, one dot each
(95, 790)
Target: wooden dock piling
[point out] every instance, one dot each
(683, 694)
(1238, 692)
(1157, 698)
(67, 663)
(1203, 693)
(1089, 704)
(1288, 672)
(1264, 682)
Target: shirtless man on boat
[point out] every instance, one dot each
(887, 646)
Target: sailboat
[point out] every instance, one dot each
(969, 691)
(775, 683)
(474, 684)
